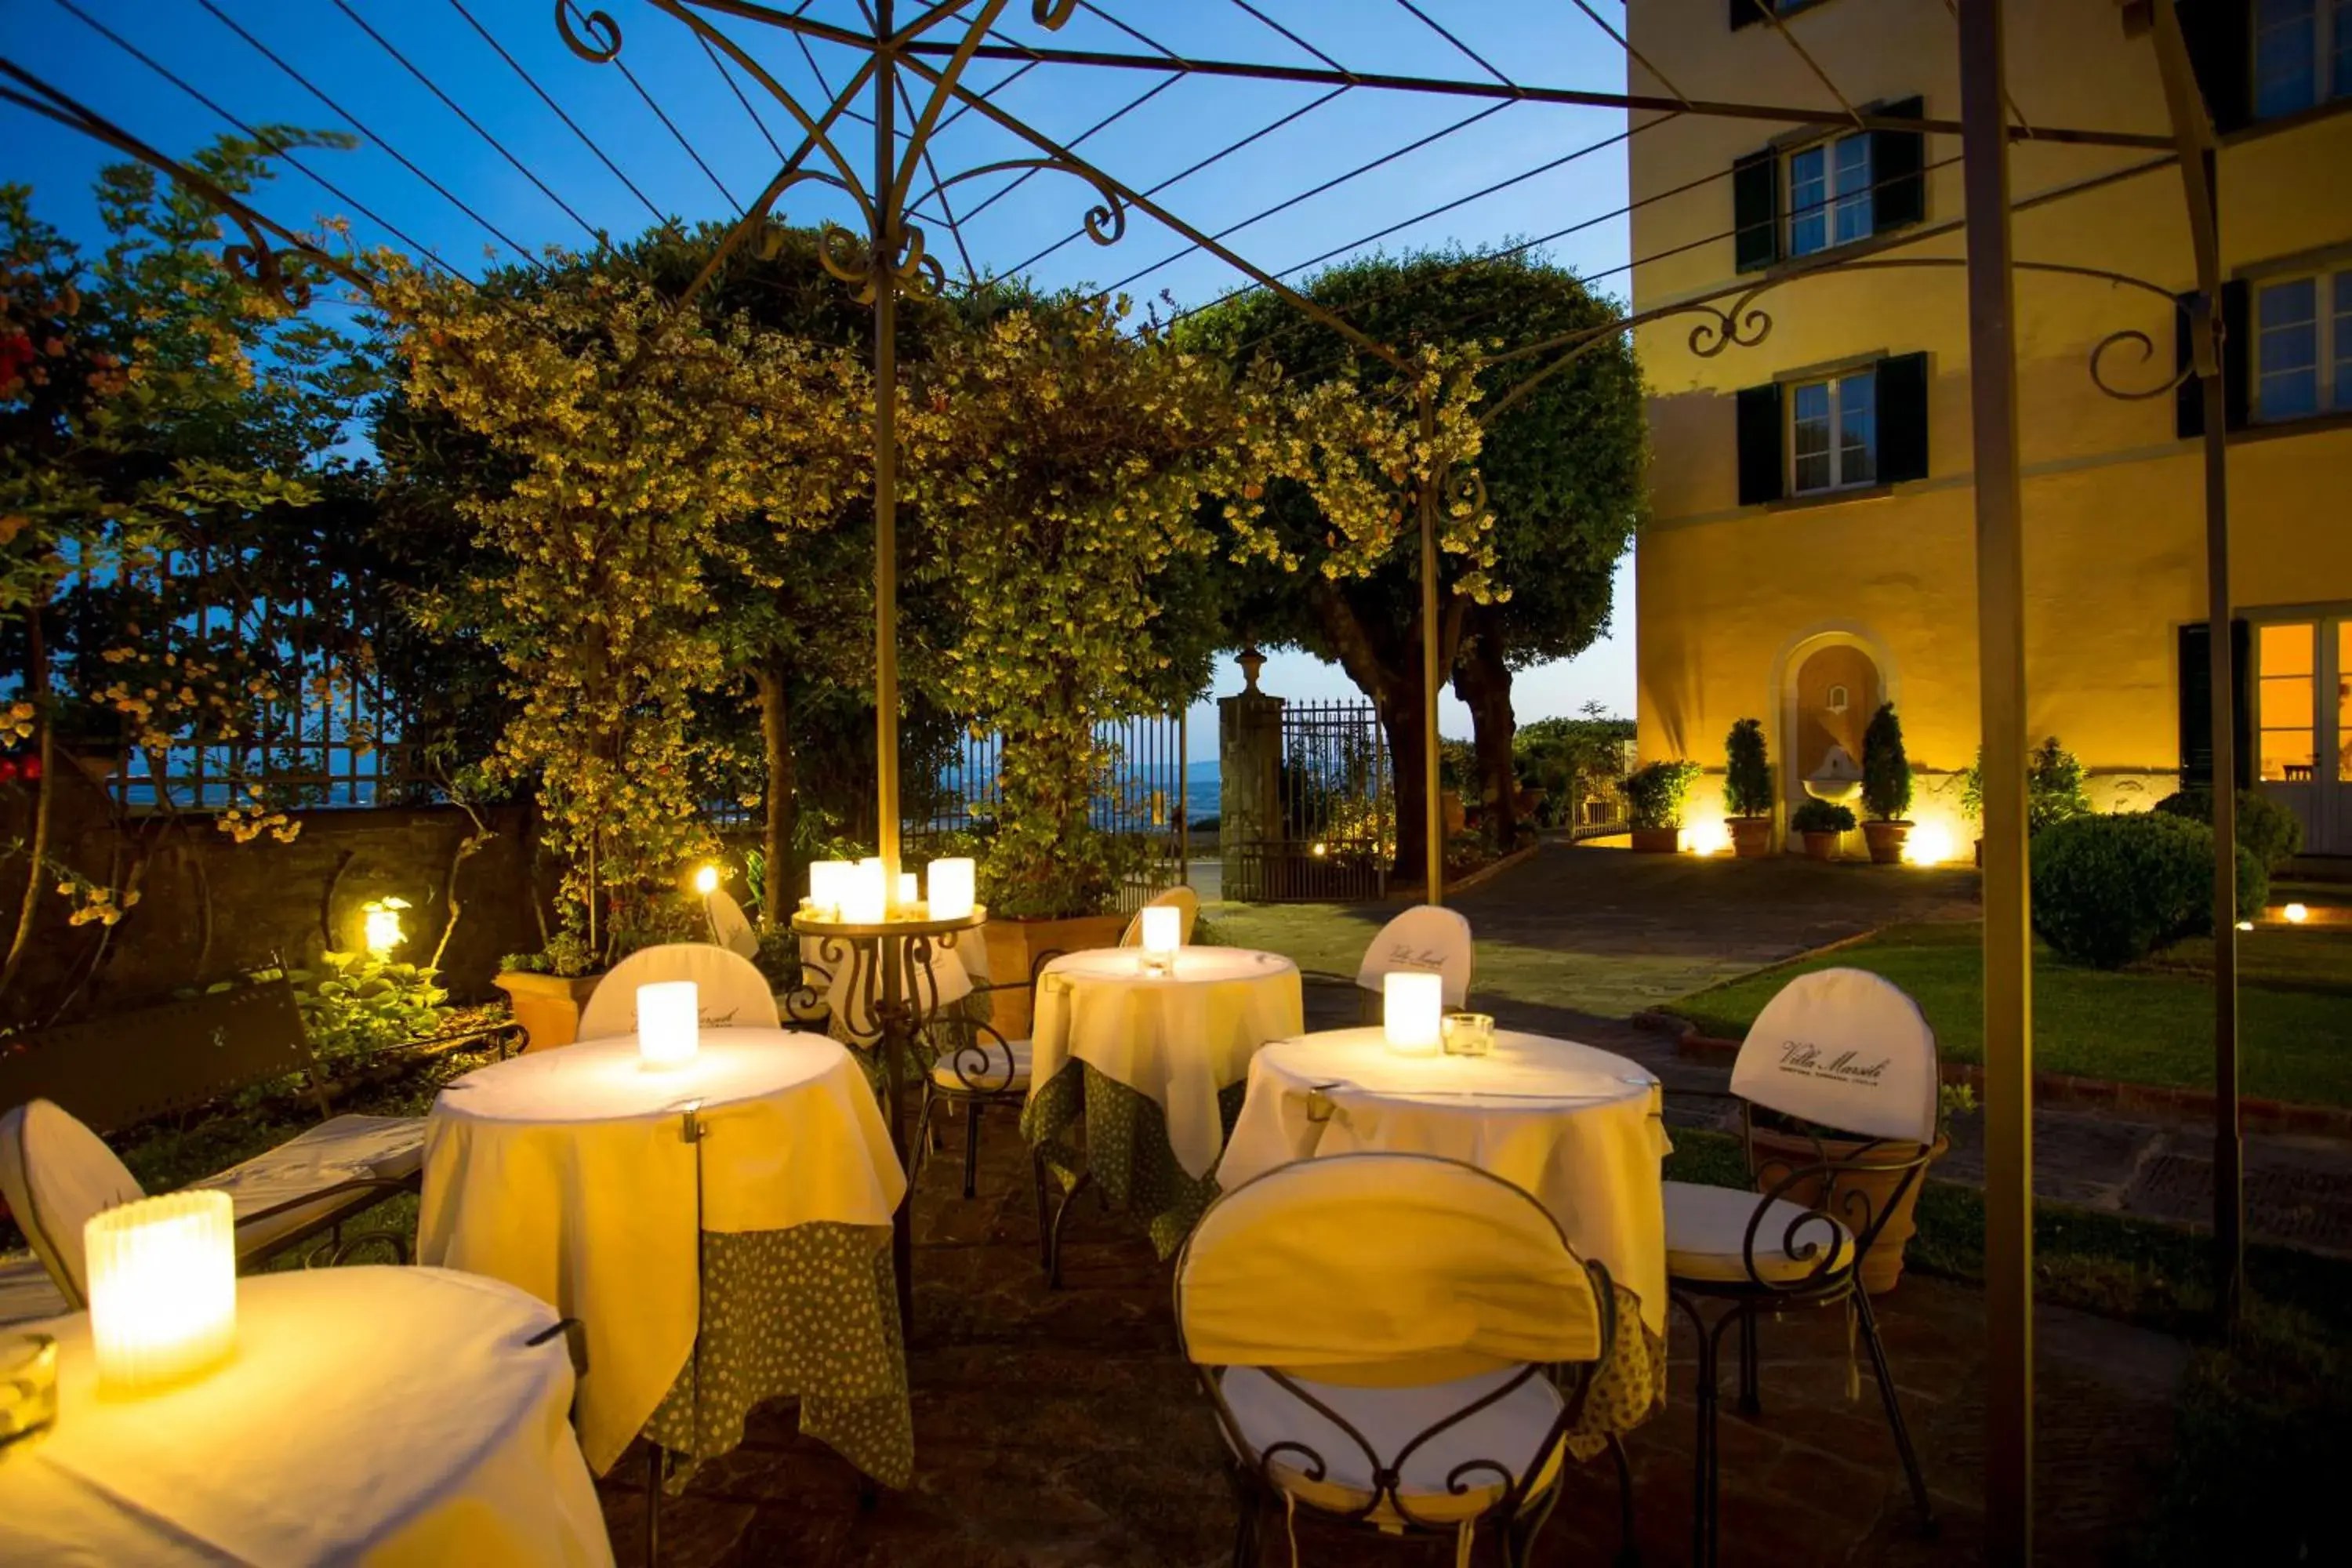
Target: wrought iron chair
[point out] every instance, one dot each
(733, 993)
(1393, 1340)
(974, 1067)
(1847, 1059)
(1425, 937)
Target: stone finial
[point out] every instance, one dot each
(1251, 661)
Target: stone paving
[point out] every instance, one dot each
(1060, 1429)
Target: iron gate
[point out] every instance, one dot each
(1141, 799)
(1334, 819)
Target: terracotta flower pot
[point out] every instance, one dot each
(1657, 840)
(1886, 840)
(1779, 1153)
(1821, 846)
(1014, 947)
(1751, 837)
(546, 1006)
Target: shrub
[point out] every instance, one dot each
(357, 1004)
(2108, 890)
(1822, 816)
(1654, 794)
(2270, 830)
(2053, 787)
(1885, 771)
(1747, 782)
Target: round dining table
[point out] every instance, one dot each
(377, 1416)
(721, 1227)
(1153, 1063)
(1578, 1128)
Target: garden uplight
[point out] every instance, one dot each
(1929, 843)
(381, 930)
(670, 1022)
(706, 880)
(2297, 914)
(1413, 1011)
(163, 1289)
(953, 888)
(1708, 837)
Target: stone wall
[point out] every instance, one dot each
(209, 909)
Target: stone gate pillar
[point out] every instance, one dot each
(1249, 774)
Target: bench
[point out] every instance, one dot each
(121, 1071)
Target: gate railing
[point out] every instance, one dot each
(1333, 826)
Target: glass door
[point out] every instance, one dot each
(2303, 737)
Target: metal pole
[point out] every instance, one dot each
(1432, 805)
(886, 456)
(2228, 1152)
(2001, 659)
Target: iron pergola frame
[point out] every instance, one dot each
(892, 255)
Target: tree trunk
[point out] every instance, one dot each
(1483, 682)
(36, 686)
(1395, 686)
(784, 802)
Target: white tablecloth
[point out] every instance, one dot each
(1176, 1038)
(567, 1172)
(378, 1416)
(1576, 1127)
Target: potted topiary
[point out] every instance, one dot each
(2053, 790)
(547, 989)
(1823, 823)
(1748, 789)
(1653, 804)
(1886, 787)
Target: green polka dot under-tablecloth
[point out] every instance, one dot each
(811, 1313)
(1628, 1388)
(1085, 1123)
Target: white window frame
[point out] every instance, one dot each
(1832, 197)
(1834, 381)
(2333, 337)
(2330, 19)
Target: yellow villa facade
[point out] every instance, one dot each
(1812, 547)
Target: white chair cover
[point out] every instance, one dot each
(1181, 899)
(1382, 1270)
(56, 1174)
(733, 994)
(728, 927)
(1843, 1048)
(1424, 937)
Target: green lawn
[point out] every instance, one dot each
(2153, 1024)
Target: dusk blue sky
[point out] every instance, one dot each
(1549, 42)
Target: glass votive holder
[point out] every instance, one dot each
(28, 1385)
(1469, 1034)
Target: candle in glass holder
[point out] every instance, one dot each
(670, 1022)
(951, 890)
(1163, 933)
(828, 885)
(163, 1289)
(1413, 1008)
(910, 890)
(866, 897)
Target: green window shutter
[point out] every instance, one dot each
(1744, 15)
(1898, 191)
(2237, 352)
(2221, 38)
(1759, 444)
(1756, 212)
(2197, 706)
(1903, 418)
(2189, 397)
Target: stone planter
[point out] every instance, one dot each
(1657, 840)
(1779, 1153)
(1751, 837)
(1821, 846)
(1015, 949)
(1886, 840)
(546, 1006)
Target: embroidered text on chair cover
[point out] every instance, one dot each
(1183, 899)
(1427, 938)
(1844, 1049)
(733, 995)
(1389, 1270)
(56, 1174)
(728, 927)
